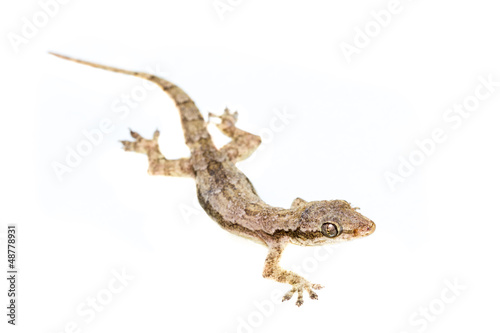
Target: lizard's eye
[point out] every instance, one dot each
(331, 229)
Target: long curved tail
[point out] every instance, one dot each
(193, 124)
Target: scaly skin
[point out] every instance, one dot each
(229, 198)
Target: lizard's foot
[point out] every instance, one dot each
(141, 145)
(158, 164)
(228, 118)
(299, 289)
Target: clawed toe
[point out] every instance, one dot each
(300, 297)
(156, 135)
(312, 295)
(289, 294)
(127, 145)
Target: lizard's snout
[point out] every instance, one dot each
(372, 227)
(365, 229)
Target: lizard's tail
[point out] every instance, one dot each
(193, 124)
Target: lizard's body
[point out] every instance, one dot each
(227, 195)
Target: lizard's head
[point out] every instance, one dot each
(326, 222)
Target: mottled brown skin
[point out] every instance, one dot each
(227, 195)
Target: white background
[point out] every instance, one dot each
(352, 123)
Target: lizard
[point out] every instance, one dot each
(229, 197)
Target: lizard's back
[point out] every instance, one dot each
(226, 194)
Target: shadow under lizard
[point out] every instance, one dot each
(229, 198)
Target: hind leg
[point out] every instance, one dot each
(158, 164)
(243, 143)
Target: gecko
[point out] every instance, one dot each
(228, 196)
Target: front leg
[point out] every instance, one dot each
(272, 270)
